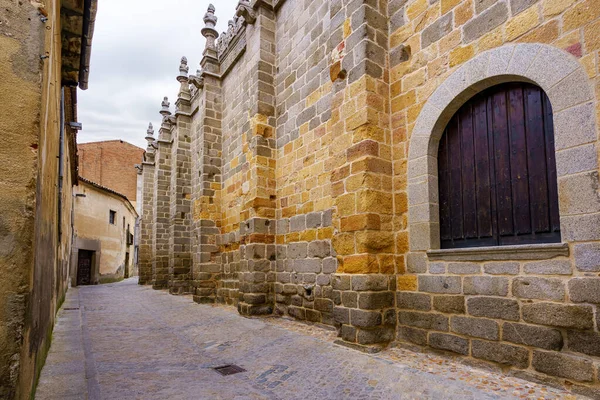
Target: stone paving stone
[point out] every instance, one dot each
(131, 342)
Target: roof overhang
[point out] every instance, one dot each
(77, 20)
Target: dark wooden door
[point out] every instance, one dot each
(84, 267)
(497, 170)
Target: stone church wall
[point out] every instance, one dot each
(315, 129)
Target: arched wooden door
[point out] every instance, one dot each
(497, 170)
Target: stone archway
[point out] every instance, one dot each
(572, 98)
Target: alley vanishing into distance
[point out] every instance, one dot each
(124, 341)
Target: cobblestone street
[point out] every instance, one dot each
(124, 341)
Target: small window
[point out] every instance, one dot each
(112, 217)
(123, 222)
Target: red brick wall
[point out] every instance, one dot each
(111, 164)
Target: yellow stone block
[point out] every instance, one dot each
(450, 41)
(401, 35)
(448, 5)
(546, 33)
(346, 204)
(463, 13)
(308, 235)
(407, 283)
(401, 242)
(374, 242)
(347, 28)
(589, 63)
(491, 40)
(373, 201)
(591, 36)
(387, 264)
(343, 243)
(360, 264)
(365, 132)
(581, 14)
(552, 8)
(460, 55)
(414, 79)
(325, 233)
(522, 23)
(404, 101)
(416, 8)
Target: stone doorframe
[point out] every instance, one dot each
(571, 95)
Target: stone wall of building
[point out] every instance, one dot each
(114, 249)
(315, 130)
(39, 63)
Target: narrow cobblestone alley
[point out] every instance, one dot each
(124, 341)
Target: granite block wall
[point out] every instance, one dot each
(315, 127)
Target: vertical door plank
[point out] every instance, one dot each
(518, 162)
(454, 154)
(468, 182)
(536, 159)
(444, 185)
(551, 165)
(502, 164)
(482, 168)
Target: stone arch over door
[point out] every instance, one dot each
(572, 98)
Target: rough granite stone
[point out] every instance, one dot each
(493, 307)
(530, 335)
(560, 315)
(476, 327)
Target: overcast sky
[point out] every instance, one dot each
(136, 51)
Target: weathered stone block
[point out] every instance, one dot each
(584, 342)
(341, 282)
(297, 250)
(413, 335)
(585, 290)
(516, 6)
(464, 268)
(362, 283)
(539, 288)
(452, 343)
(587, 257)
(341, 315)
(436, 322)
(485, 22)
(486, 285)
(449, 304)
(439, 284)
(350, 299)
(365, 319)
(308, 265)
(437, 30)
(493, 307)
(313, 220)
(413, 301)
(562, 365)
(373, 336)
(500, 353)
(298, 223)
(561, 315)
(375, 300)
(476, 327)
(535, 336)
(549, 267)
(501, 268)
(437, 268)
(319, 248)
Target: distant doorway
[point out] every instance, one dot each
(126, 269)
(84, 267)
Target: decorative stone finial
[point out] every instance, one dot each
(183, 70)
(209, 31)
(165, 112)
(150, 135)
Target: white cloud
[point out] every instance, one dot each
(136, 52)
